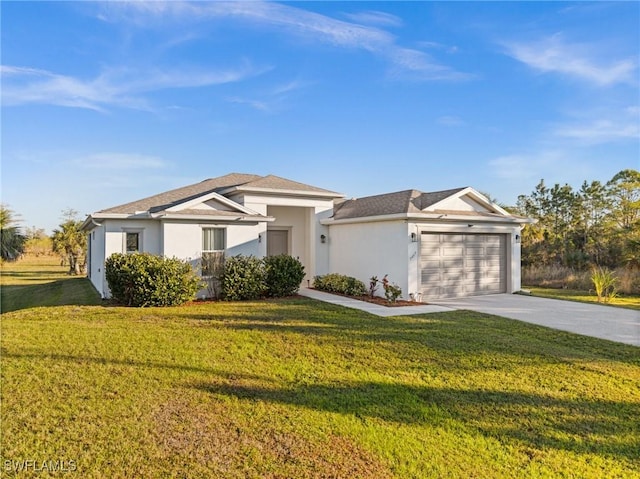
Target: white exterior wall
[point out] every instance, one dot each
(301, 217)
(363, 250)
(322, 249)
(184, 240)
(115, 235)
(109, 238)
(96, 239)
(513, 246)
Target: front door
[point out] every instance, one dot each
(277, 242)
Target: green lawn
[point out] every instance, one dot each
(624, 301)
(41, 281)
(295, 388)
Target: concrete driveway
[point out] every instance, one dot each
(605, 322)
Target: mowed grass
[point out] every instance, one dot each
(41, 281)
(623, 300)
(295, 388)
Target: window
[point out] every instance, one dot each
(132, 242)
(213, 246)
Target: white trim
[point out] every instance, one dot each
(478, 197)
(211, 196)
(417, 217)
(225, 219)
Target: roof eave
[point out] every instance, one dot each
(418, 217)
(221, 219)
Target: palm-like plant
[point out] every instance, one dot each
(604, 282)
(11, 239)
(71, 243)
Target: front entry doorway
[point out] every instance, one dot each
(277, 242)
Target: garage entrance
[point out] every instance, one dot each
(455, 265)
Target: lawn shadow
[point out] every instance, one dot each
(453, 332)
(63, 292)
(537, 421)
(102, 361)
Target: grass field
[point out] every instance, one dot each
(41, 281)
(295, 388)
(623, 300)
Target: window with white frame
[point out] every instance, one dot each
(214, 242)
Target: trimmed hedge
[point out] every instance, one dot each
(143, 279)
(339, 283)
(243, 278)
(283, 275)
(247, 277)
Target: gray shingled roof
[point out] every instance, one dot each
(273, 182)
(407, 201)
(171, 198)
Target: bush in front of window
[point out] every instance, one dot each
(283, 275)
(143, 279)
(243, 278)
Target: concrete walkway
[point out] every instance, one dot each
(371, 307)
(604, 322)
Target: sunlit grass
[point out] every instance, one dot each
(298, 388)
(42, 281)
(295, 388)
(622, 300)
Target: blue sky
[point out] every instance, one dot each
(104, 103)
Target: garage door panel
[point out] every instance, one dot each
(454, 265)
(447, 263)
(474, 252)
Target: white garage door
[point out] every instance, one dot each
(455, 265)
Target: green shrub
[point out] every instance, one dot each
(243, 278)
(143, 279)
(391, 290)
(283, 275)
(339, 283)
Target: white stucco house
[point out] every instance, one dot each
(433, 245)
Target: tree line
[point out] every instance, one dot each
(598, 224)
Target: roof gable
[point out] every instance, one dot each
(210, 202)
(186, 197)
(272, 184)
(163, 201)
(458, 201)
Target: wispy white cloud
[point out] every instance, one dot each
(121, 87)
(525, 166)
(374, 17)
(450, 121)
(554, 54)
(600, 131)
(439, 46)
(294, 21)
(273, 99)
(602, 126)
(120, 161)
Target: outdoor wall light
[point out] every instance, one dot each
(259, 238)
(414, 237)
(517, 238)
(323, 239)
